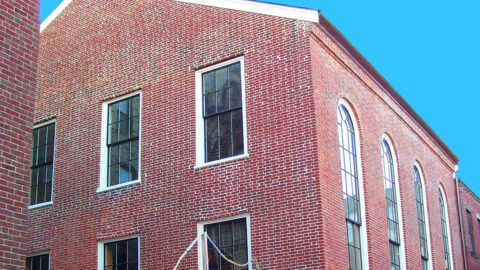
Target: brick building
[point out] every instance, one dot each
(19, 33)
(260, 124)
(470, 207)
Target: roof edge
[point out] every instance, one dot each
(277, 10)
(469, 191)
(54, 14)
(360, 59)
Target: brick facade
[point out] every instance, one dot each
(471, 202)
(290, 184)
(18, 64)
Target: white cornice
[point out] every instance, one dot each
(304, 14)
(54, 14)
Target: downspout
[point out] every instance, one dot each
(460, 216)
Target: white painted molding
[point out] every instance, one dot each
(303, 14)
(54, 14)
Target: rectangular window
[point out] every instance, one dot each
(120, 142)
(119, 255)
(40, 262)
(42, 164)
(232, 238)
(221, 133)
(470, 232)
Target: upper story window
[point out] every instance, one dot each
(120, 142)
(421, 219)
(351, 189)
(471, 234)
(42, 164)
(221, 128)
(389, 179)
(445, 231)
(39, 262)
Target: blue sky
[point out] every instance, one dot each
(428, 50)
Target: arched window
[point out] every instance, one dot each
(422, 219)
(445, 230)
(351, 190)
(389, 180)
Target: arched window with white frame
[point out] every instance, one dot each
(422, 218)
(395, 235)
(352, 189)
(447, 249)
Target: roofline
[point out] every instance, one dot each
(297, 13)
(360, 59)
(469, 191)
(54, 14)
(277, 10)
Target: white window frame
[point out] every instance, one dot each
(427, 216)
(104, 148)
(200, 231)
(39, 205)
(200, 125)
(39, 254)
(448, 227)
(101, 249)
(363, 228)
(403, 265)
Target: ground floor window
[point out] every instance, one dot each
(120, 255)
(40, 262)
(231, 237)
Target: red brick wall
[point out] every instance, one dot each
(471, 203)
(18, 64)
(290, 185)
(336, 76)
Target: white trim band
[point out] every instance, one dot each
(303, 14)
(54, 14)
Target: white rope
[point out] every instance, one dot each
(219, 252)
(186, 251)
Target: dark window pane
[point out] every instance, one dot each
(134, 150)
(210, 103)
(48, 191)
(234, 75)
(225, 146)
(41, 155)
(225, 124)
(222, 101)
(135, 106)
(36, 263)
(113, 175)
(133, 250)
(209, 82)
(221, 79)
(123, 110)
(113, 113)
(113, 155)
(235, 97)
(134, 169)
(123, 130)
(226, 236)
(134, 127)
(122, 267)
(42, 136)
(133, 266)
(237, 144)
(49, 153)
(122, 252)
(51, 133)
(44, 262)
(112, 133)
(212, 125)
(124, 154)
(124, 172)
(212, 149)
(35, 138)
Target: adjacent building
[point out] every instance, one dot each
(260, 124)
(19, 34)
(470, 207)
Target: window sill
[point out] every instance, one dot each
(40, 205)
(216, 162)
(105, 189)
